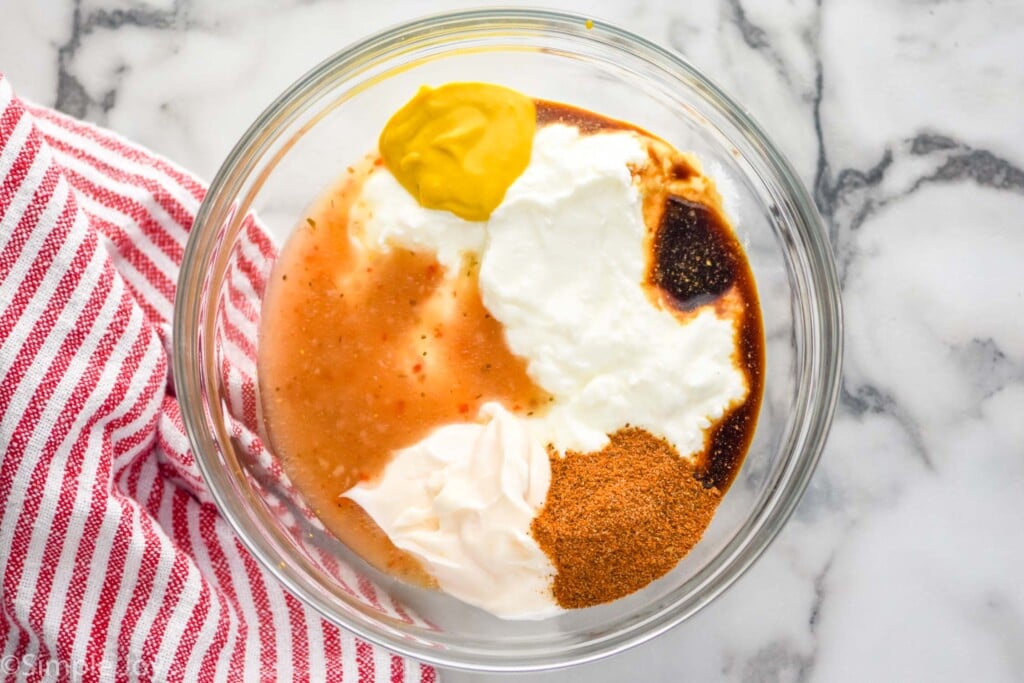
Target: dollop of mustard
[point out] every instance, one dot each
(460, 146)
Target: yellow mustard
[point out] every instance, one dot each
(460, 146)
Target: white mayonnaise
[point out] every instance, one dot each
(461, 502)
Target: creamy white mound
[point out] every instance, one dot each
(461, 501)
(563, 270)
(563, 261)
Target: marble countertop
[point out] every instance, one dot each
(903, 560)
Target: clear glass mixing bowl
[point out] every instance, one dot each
(330, 118)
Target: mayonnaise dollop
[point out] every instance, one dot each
(461, 501)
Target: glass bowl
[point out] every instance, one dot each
(330, 118)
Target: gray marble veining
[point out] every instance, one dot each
(902, 562)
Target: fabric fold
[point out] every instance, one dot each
(115, 563)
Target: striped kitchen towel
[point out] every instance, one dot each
(115, 564)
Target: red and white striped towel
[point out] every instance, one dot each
(115, 565)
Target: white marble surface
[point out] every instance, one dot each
(903, 561)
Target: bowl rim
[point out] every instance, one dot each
(823, 361)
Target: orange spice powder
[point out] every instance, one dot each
(616, 519)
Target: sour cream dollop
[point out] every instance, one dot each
(563, 264)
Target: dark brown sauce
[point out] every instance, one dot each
(697, 260)
(696, 257)
(586, 121)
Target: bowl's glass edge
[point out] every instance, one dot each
(823, 360)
